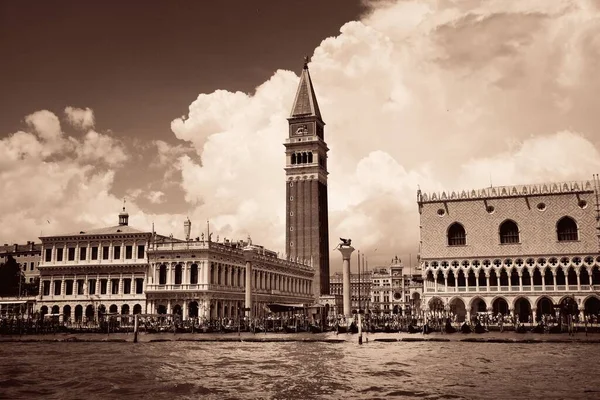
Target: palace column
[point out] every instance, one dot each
(248, 257)
(520, 280)
(346, 254)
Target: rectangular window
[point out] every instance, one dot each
(126, 286)
(129, 252)
(105, 252)
(48, 257)
(114, 286)
(57, 288)
(92, 286)
(71, 253)
(139, 285)
(46, 288)
(103, 285)
(95, 253)
(80, 286)
(59, 254)
(82, 253)
(69, 287)
(31, 266)
(140, 253)
(116, 252)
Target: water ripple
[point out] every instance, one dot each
(403, 370)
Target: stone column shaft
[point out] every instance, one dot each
(346, 254)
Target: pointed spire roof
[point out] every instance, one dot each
(305, 103)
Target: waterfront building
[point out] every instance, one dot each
(389, 293)
(360, 288)
(205, 279)
(86, 274)
(413, 289)
(26, 255)
(522, 250)
(307, 224)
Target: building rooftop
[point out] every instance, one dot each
(20, 248)
(103, 231)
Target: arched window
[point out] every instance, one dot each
(310, 157)
(162, 278)
(304, 158)
(509, 232)
(457, 235)
(566, 229)
(194, 274)
(293, 158)
(178, 274)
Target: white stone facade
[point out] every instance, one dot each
(208, 280)
(95, 272)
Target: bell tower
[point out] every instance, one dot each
(307, 219)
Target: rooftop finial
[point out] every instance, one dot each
(123, 203)
(306, 61)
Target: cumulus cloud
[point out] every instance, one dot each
(79, 117)
(48, 176)
(439, 94)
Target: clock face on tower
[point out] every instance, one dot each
(301, 129)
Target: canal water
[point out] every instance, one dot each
(296, 370)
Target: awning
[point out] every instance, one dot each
(277, 307)
(14, 302)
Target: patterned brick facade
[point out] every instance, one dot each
(537, 229)
(526, 271)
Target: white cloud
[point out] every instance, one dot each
(156, 197)
(47, 176)
(97, 146)
(80, 118)
(436, 94)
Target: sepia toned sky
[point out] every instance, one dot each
(181, 107)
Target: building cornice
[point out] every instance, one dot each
(507, 192)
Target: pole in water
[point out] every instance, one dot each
(135, 328)
(359, 328)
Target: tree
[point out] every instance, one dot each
(31, 288)
(10, 275)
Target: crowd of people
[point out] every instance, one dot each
(290, 322)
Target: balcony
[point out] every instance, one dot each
(192, 287)
(507, 289)
(90, 297)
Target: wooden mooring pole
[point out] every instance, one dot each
(135, 328)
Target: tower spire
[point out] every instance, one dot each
(305, 102)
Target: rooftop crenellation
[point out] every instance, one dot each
(507, 191)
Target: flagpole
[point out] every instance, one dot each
(358, 265)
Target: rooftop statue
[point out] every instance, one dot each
(344, 243)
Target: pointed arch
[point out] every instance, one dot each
(471, 278)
